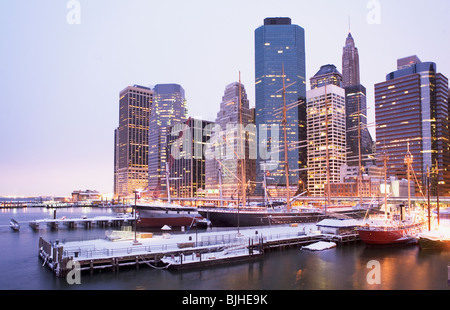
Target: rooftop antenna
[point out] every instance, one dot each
(349, 25)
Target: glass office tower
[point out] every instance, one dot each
(411, 107)
(131, 141)
(278, 43)
(169, 108)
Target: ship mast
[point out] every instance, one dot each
(242, 152)
(437, 192)
(408, 162)
(286, 163)
(385, 159)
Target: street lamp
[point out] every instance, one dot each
(136, 192)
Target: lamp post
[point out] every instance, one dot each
(135, 242)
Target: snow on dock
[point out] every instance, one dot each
(178, 250)
(319, 246)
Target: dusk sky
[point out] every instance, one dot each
(60, 82)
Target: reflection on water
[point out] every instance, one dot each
(343, 268)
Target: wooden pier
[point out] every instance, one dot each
(100, 221)
(190, 250)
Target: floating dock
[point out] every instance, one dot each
(180, 250)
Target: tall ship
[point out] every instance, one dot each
(158, 214)
(280, 212)
(398, 229)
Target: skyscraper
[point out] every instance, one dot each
(224, 151)
(411, 110)
(326, 129)
(350, 63)
(186, 143)
(169, 108)
(359, 140)
(279, 43)
(131, 141)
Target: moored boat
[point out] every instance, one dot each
(14, 225)
(156, 216)
(434, 239)
(390, 231)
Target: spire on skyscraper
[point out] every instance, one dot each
(350, 62)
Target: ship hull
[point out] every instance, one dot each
(157, 217)
(380, 236)
(430, 244)
(257, 218)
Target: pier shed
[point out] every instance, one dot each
(338, 226)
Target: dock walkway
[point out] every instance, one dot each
(102, 221)
(207, 248)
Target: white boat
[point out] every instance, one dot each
(14, 225)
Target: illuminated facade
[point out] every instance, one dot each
(411, 107)
(169, 108)
(224, 151)
(187, 169)
(131, 141)
(325, 103)
(358, 136)
(278, 43)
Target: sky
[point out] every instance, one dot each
(62, 69)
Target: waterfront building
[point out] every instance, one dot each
(280, 43)
(359, 139)
(326, 129)
(87, 195)
(186, 165)
(411, 111)
(169, 108)
(131, 141)
(224, 153)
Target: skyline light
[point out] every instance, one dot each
(61, 79)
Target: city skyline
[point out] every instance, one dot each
(60, 81)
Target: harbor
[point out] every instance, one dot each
(180, 250)
(284, 257)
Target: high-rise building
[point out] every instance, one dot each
(169, 108)
(224, 153)
(411, 111)
(279, 43)
(131, 141)
(359, 140)
(350, 63)
(186, 165)
(326, 129)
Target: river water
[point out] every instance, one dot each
(347, 267)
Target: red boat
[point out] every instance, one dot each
(391, 232)
(397, 230)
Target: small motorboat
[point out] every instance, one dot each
(14, 225)
(203, 223)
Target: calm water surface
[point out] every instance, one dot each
(341, 268)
